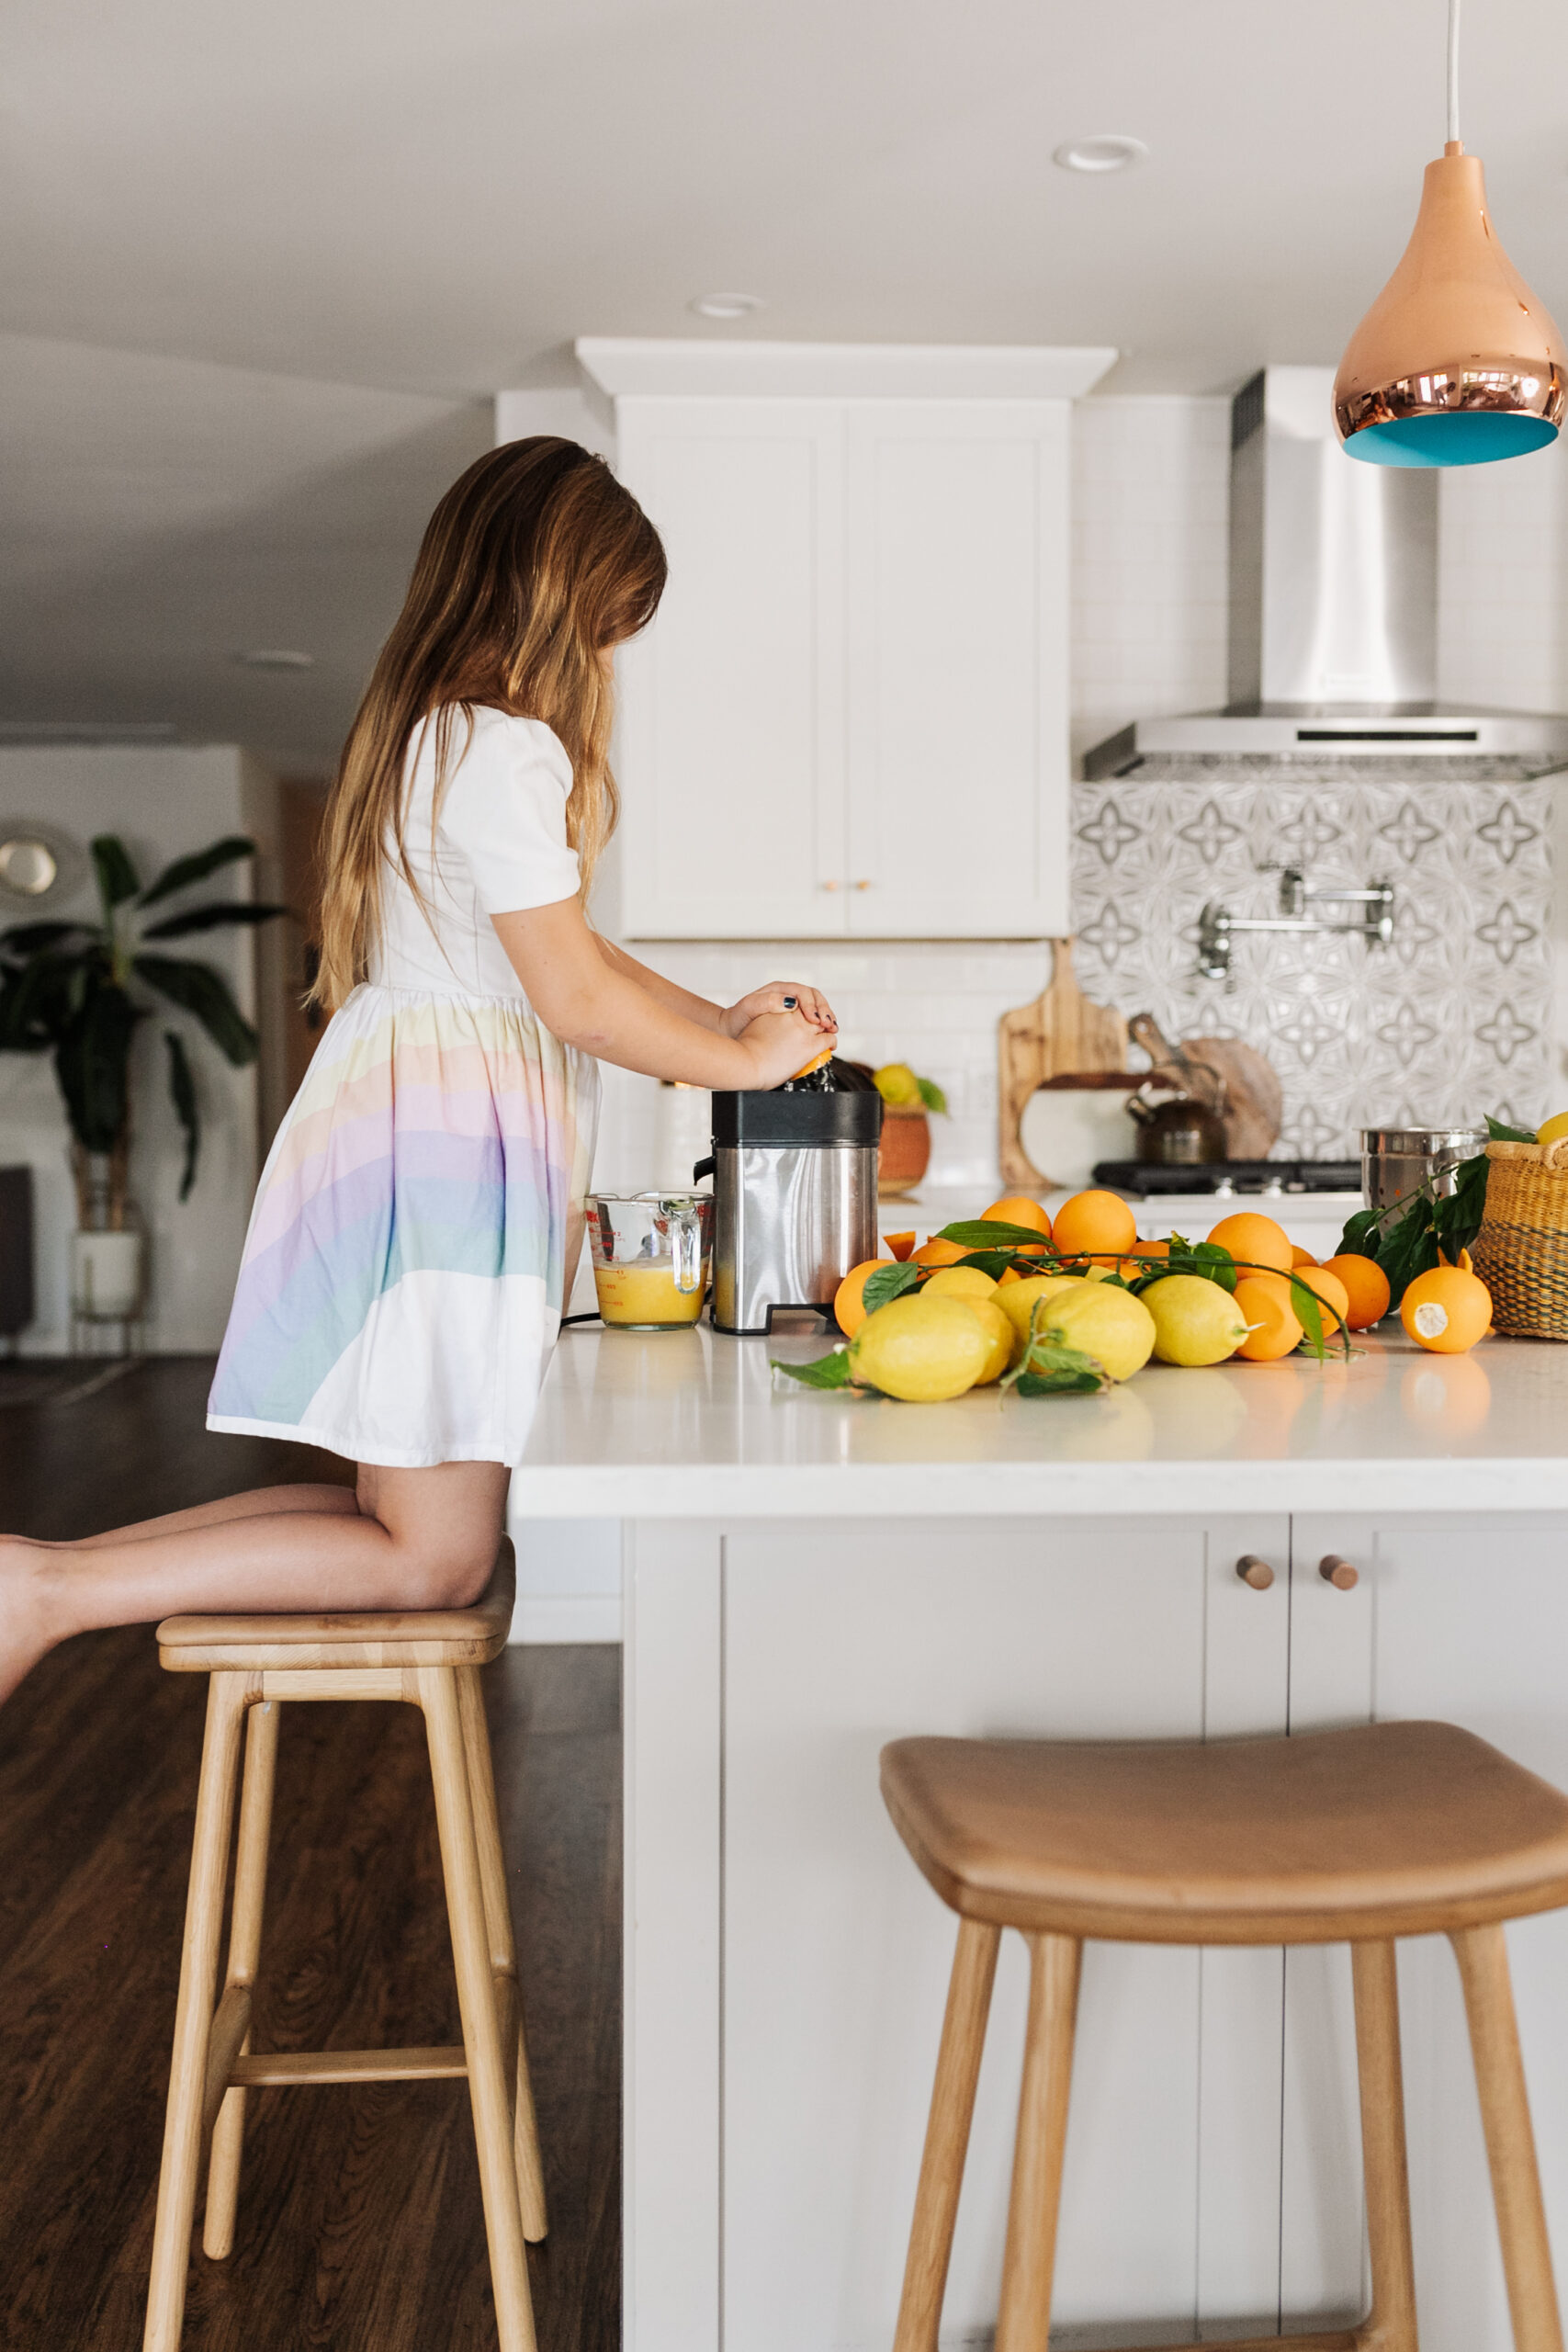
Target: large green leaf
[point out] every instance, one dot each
(26, 939)
(40, 1001)
(92, 1062)
(213, 917)
(198, 867)
(182, 1093)
(888, 1282)
(826, 1372)
(197, 990)
(118, 879)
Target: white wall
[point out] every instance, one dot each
(163, 802)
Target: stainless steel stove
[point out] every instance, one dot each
(1267, 1179)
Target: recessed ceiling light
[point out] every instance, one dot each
(1107, 151)
(726, 306)
(274, 657)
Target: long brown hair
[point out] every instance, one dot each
(534, 563)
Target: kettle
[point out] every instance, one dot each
(795, 1193)
(1176, 1130)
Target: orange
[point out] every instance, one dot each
(1008, 1274)
(1094, 1221)
(1017, 1208)
(1265, 1305)
(1448, 1309)
(1331, 1294)
(1151, 1249)
(937, 1253)
(1255, 1241)
(1366, 1287)
(1300, 1257)
(816, 1062)
(848, 1303)
(900, 1244)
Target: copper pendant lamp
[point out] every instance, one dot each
(1457, 363)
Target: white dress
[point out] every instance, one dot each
(421, 1211)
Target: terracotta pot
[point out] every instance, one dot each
(906, 1151)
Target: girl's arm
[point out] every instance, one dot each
(587, 1000)
(728, 1020)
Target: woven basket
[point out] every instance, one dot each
(1521, 1250)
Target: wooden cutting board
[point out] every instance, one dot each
(1061, 1032)
(1254, 1097)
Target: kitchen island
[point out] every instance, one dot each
(809, 1575)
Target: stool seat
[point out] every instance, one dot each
(364, 1638)
(1378, 1831)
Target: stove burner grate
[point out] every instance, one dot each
(1265, 1177)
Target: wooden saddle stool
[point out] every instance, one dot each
(1358, 1837)
(430, 1660)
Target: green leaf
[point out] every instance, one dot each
(935, 1100)
(118, 879)
(995, 1262)
(213, 917)
(1498, 1131)
(1359, 1238)
(992, 1233)
(888, 1282)
(1309, 1315)
(182, 1093)
(826, 1372)
(91, 1063)
(198, 867)
(26, 939)
(1049, 1369)
(197, 990)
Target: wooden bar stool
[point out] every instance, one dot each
(1358, 1837)
(430, 1659)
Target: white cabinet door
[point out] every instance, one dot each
(836, 1952)
(1465, 1620)
(731, 738)
(958, 760)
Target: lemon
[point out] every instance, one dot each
(922, 1350)
(1000, 1333)
(1554, 1129)
(1112, 1326)
(1017, 1301)
(897, 1084)
(968, 1283)
(1195, 1322)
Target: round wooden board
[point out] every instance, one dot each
(1254, 1097)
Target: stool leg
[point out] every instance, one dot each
(193, 2015)
(1023, 2318)
(503, 1953)
(1391, 2325)
(488, 2089)
(1482, 1958)
(947, 2136)
(244, 1951)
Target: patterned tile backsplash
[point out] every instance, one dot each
(1452, 1020)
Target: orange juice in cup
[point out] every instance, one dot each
(650, 1257)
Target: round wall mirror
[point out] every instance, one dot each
(28, 868)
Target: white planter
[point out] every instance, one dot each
(105, 1275)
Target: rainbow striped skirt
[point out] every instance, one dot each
(418, 1219)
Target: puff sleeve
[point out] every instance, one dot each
(504, 810)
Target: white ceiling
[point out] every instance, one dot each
(261, 265)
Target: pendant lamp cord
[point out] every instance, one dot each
(1453, 73)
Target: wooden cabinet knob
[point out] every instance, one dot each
(1254, 1572)
(1339, 1572)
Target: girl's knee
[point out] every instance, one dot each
(451, 1579)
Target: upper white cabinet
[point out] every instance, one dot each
(849, 715)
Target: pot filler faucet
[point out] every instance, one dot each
(1374, 922)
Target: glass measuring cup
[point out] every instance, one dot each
(650, 1256)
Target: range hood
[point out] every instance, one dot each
(1333, 612)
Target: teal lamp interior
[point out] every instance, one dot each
(1450, 437)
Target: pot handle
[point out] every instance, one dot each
(708, 1167)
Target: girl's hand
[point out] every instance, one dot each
(782, 996)
(780, 1044)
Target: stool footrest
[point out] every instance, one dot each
(1335, 2339)
(267, 2068)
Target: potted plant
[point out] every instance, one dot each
(906, 1102)
(76, 989)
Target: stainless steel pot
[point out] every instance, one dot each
(1397, 1160)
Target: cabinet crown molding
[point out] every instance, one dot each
(647, 366)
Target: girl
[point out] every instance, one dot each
(421, 1210)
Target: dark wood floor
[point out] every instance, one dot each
(360, 2224)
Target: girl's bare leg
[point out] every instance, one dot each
(417, 1539)
(258, 1503)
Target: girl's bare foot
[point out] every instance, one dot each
(27, 1624)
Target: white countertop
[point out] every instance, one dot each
(691, 1424)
